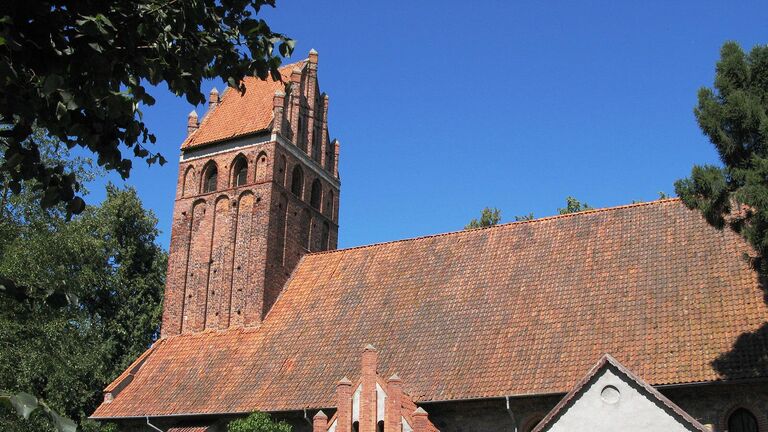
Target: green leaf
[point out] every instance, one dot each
(24, 404)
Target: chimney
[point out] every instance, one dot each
(192, 123)
(368, 394)
(213, 99)
(392, 414)
(324, 145)
(344, 405)
(312, 56)
(420, 420)
(278, 108)
(336, 147)
(320, 422)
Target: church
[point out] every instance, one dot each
(638, 317)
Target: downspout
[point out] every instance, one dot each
(153, 426)
(511, 415)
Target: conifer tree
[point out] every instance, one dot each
(488, 217)
(734, 116)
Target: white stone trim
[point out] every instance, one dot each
(241, 143)
(406, 426)
(356, 403)
(381, 399)
(223, 147)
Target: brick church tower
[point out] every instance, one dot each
(258, 188)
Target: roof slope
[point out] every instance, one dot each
(516, 309)
(239, 114)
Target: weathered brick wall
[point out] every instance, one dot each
(232, 250)
(712, 404)
(709, 404)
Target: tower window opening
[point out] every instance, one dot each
(316, 194)
(326, 233)
(356, 427)
(380, 426)
(211, 178)
(297, 181)
(240, 172)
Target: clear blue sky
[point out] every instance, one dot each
(444, 107)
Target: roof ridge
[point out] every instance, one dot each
(504, 225)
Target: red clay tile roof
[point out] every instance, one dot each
(241, 114)
(517, 309)
(188, 429)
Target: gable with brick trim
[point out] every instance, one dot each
(611, 398)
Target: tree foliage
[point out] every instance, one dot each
(80, 69)
(521, 218)
(107, 260)
(258, 422)
(488, 217)
(734, 116)
(572, 205)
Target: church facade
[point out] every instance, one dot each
(482, 330)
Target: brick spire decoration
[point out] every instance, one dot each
(360, 404)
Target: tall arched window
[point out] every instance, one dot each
(210, 178)
(329, 204)
(239, 171)
(330, 155)
(188, 188)
(316, 144)
(282, 170)
(297, 181)
(325, 236)
(316, 195)
(261, 168)
(741, 420)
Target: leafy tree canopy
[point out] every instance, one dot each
(734, 116)
(572, 205)
(107, 259)
(80, 68)
(527, 217)
(488, 217)
(258, 422)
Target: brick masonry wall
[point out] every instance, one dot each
(712, 404)
(709, 404)
(232, 250)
